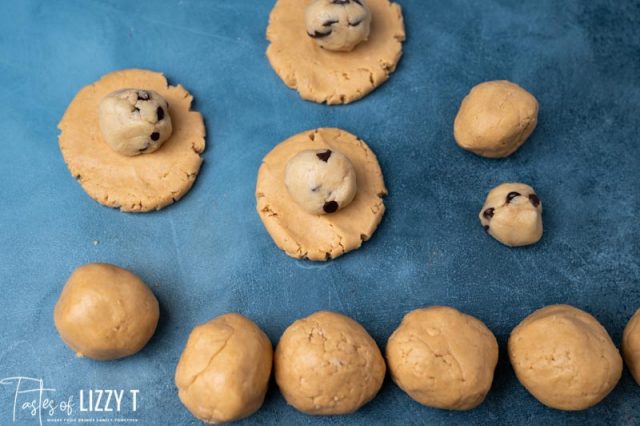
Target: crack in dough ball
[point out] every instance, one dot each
(564, 357)
(631, 345)
(321, 181)
(105, 312)
(512, 214)
(443, 358)
(338, 25)
(495, 119)
(327, 364)
(223, 372)
(134, 121)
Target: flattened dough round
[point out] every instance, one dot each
(132, 184)
(320, 75)
(320, 237)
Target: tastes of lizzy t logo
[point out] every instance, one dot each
(32, 400)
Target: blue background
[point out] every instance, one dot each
(209, 253)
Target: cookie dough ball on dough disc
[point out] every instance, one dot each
(512, 214)
(327, 364)
(306, 235)
(105, 312)
(134, 121)
(224, 370)
(443, 358)
(299, 29)
(133, 183)
(564, 357)
(495, 118)
(631, 345)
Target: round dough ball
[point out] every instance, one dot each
(631, 345)
(105, 312)
(224, 370)
(338, 25)
(443, 358)
(512, 214)
(564, 357)
(134, 121)
(321, 181)
(328, 364)
(495, 118)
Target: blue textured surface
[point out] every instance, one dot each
(209, 253)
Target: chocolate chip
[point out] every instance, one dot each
(512, 195)
(355, 24)
(317, 34)
(155, 136)
(330, 207)
(324, 156)
(534, 200)
(315, 189)
(486, 228)
(143, 96)
(136, 109)
(488, 213)
(343, 2)
(329, 23)
(160, 113)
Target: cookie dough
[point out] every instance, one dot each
(321, 75)
(224, 370)
(327, 364)
(134, 121)
(321, 181)
(512, 214)
(495, 118)
(144, 182)
(105, 312)
(320, 237)
(564, 357)
(443, 358)
(338, 25)
(631, 345)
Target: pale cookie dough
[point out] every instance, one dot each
(133, 184)
(512, 214)
(338, 25)
(443, 358)
(320, 237)
(134, 121)
(631, 345)
(564, 357)
(105, 312)
(327, 364)
(495, 118)
(321, 75)
(223, 372)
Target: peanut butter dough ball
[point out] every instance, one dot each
(443, 358)
(224, 370)
(134, 121)
(512, 214)
(105, 312)
(631, 345)
(328, 364)
(564, 357)
(321, 181)
(495, 118)
(338, 25)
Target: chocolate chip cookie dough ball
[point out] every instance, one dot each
(564, 357)
(512, 214)
(105, 312)
(631, 345)
(321, 181)
(338, 25)
(328, 364)
(495, 118)
(134, 121)
(443, 358)
(224, 370)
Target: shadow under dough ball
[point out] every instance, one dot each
(105, 312)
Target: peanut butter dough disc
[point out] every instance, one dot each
(320, 75)
(132, 184)
(320, 237)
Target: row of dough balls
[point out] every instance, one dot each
(327, 363)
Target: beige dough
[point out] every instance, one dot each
(105, 312)
(495, 118)
(132, 184)
(338, 25)
(564, 357)
(320, 237)
(224, 369)
(512, 214)
(321, 75)
(631, 345)
(443, 358)
(327, 364)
